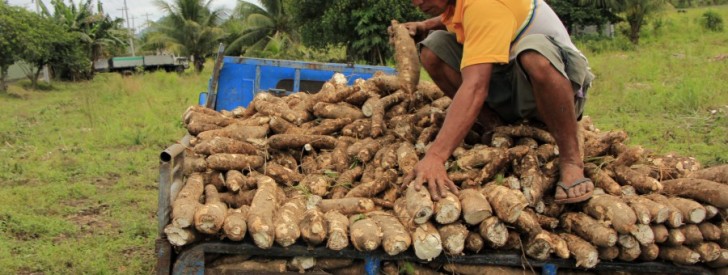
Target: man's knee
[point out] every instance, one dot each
(440, 49)
(536, 66)
(430, 61)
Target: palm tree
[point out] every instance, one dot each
(96, 30)
(635, 12)
(190, 28)
(262, 25)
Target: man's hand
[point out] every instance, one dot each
(431, 169)
(418, 30)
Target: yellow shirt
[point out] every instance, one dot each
(486, 28)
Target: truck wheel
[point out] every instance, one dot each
(179, 69)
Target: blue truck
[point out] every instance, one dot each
(240, 78)
(235, 84)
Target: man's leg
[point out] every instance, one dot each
(448, 80)
(444, 75)
(555, 105)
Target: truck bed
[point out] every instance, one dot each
(241, 78)
(127, 62)
(191, 259)
(158, 60)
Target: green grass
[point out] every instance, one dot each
(667, 93)
(79, 170)
(79, 161)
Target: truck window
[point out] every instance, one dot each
(309, 86)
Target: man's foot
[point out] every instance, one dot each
(574, 187)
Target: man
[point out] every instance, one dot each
(502, 60)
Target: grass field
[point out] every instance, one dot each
(78, 169)
(669, 92)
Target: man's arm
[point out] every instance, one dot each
(434, 23)
(461, 116)
(463, 111)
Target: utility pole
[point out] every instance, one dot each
(46, 74)
(131, 32)
(146, 23)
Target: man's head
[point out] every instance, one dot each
(432, 7)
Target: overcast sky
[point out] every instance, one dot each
(139, 10)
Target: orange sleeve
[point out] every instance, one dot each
(488, 29)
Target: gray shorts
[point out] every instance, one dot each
(510, 93)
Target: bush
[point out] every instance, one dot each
(712, 21)
(657, 25)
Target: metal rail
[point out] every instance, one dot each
(192, 259)
(171, 161)
(212, 88)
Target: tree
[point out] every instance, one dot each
(573, 14)
(635, 12)
(257, 28)
(96, 32)
(190, 27)
(47, 43)
(361, 25)
(37, 40)
(13, 23)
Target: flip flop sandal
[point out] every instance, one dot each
(581, 198)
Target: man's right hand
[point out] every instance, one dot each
(418, 30)
(430, 170)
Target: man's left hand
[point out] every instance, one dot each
(431, 170)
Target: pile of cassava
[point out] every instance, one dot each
(325, 169)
